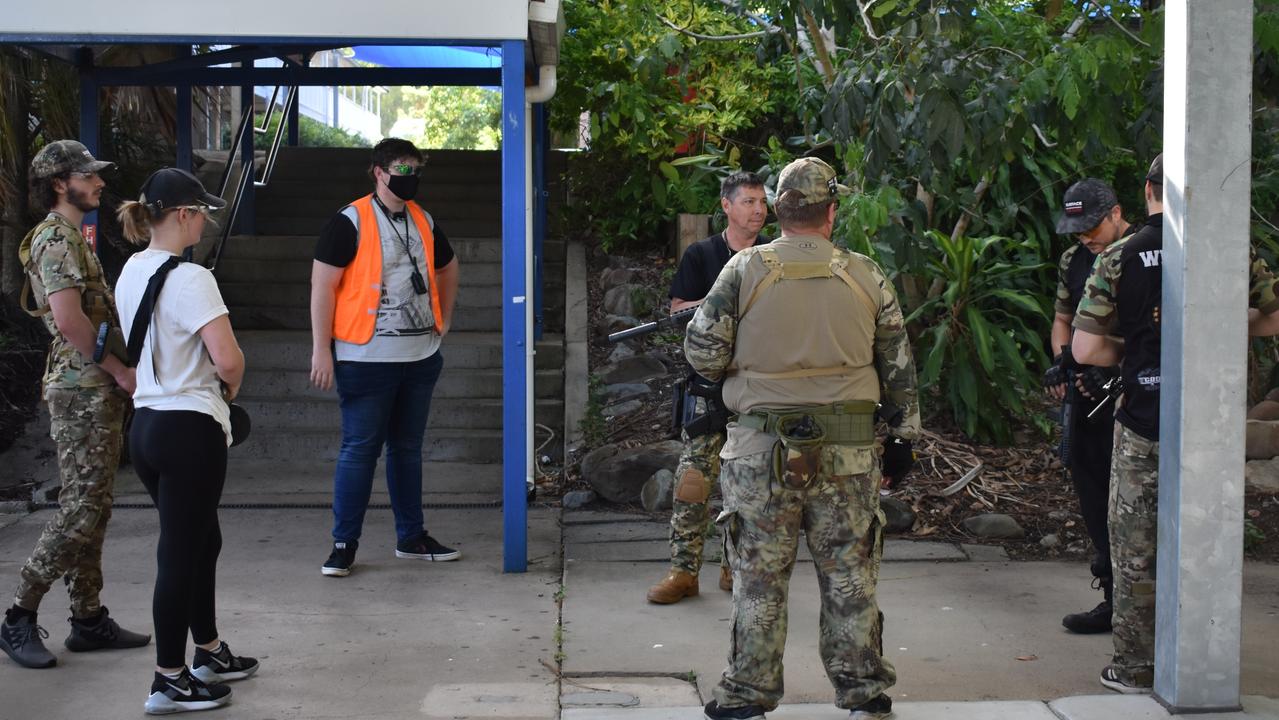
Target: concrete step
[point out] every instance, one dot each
(433, 193)
(446, 214)
(298, 317)
(298, 294)
(469, 249)
(238, 266)
(312, 224)
(291, 350)
(320, 413)
(441, 445)
(458, 381)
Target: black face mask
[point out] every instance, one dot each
(403, 187)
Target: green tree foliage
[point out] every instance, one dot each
(654, 95)
(445, 118)
(311, 133)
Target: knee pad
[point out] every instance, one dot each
(693, 487)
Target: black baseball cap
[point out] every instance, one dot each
(1156, 172)
(173, 187)
(1085, 205)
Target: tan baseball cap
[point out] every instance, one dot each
(813, 180)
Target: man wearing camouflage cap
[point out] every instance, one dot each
(1091, 214)
(809, 339)
(87, 391)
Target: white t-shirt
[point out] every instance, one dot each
(405, 327)
(175, 371)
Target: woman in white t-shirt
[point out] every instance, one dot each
(189, 369)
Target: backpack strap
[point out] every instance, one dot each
(146, 311)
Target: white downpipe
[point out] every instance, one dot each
(539, 93)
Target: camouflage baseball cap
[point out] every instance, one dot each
(1086, 204)
(812, 179)
(64, 156)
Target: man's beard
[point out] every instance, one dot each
(82, 201)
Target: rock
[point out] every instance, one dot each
(1049, 541)
(577, 499)
(1060, 515)
(622, 409)
(621, 300)
(899, 516)
(618, 474)
(621, 352)
(1261, 439)
(993, 525)
(633, 369)
(1262, 474)
(613, 277)
(624, 391)
(614, 323)
(655, 496)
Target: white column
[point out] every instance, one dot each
(1207, 149)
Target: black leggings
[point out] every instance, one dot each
(180, 456)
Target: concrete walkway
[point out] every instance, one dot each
(972, 635)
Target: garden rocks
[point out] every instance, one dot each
(577, 499)
(629, 299)
(624, 391)
(618, 474)
(994, 525)
(610, 324)
(613, 277)
(1049, 541)
(1262, 475)
(633, 370)
(622, 409)
(899, 517)
(655, 496)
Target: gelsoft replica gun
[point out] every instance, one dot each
(674, 319)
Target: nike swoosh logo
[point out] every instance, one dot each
(184, 692)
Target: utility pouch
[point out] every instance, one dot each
(797, 454)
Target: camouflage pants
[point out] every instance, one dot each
(840, 516)
(85, 424)
(695, 478)
(1134, 514)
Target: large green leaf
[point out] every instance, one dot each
(980, 338)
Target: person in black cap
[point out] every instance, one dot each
(87, 397)
(1093, 215)
(189, 369)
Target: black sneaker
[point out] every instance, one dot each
(221, 666)
(184, 694)
(341, 559)
(425, 547)
(1091, 622)
(102, 634)
(1110, 678)
(880, 706)
(742, 712)
(23, 641)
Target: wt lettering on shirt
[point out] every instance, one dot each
(1151, 258)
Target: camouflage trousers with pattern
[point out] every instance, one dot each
(695, 479)
(1134, 514)
(85, 424)
(839, 514)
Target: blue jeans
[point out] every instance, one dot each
(382, 403)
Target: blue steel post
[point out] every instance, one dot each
(540, 144)
(183, 120)
(245, 220)
(89, 124)
(514, 312)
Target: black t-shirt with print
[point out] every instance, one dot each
(701, 264)
(1139, 298)
(339, 240)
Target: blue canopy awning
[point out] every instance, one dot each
(429, 56)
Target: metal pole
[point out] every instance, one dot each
(1207, 150)
(540, 136)
(89, 134)
(183, 120)
(245, 216)
(515, 309)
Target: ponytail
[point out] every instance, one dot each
(136, 219)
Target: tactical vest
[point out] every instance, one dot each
(360, 290)
(806, 328)
(94, 296)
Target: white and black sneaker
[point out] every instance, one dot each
(1111, 679)
(425, 547)
(184, 694)
(221, 666)
(341, 559)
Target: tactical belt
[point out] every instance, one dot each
(845, 423)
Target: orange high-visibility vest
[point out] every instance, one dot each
(360, 289)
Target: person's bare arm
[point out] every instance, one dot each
(1262, 324)
(69, 317)
(1100, 350)
(225, 352)
(447, 277)
(678, 304)
(324, 284)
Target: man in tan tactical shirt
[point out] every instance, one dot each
(809, 339)
(87, 392)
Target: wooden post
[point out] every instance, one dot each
(690, 228)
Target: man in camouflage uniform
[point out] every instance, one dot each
(1093, 215)
(808, 339)
(87, 397)
(745, 208)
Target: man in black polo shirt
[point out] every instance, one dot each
(1093, 215)
(1119, 322)
(744, 203)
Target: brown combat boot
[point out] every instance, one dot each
(725, 578)
(674, 587)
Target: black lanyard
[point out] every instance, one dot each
(404, 240)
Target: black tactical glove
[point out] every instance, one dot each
(1055, 374)
(1093, 380)
(898, 460)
